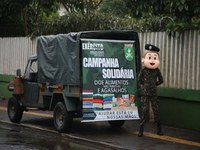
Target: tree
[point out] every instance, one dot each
(21, 17)
(90, 15)
(115, 7)
(36, 17)
(40, 11)
(10, 15)
(166, 15)
(83, 6)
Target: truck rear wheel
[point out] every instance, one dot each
(116, 123)
(62, 118)
(14, 110)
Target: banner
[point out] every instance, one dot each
(108, 80)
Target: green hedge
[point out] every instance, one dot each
(4, 80)
(182, 94)
(180, 108)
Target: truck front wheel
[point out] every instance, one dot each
(62, 118)
(14, 110)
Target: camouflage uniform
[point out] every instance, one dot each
(149, 80)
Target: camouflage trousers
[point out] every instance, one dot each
(144, 113)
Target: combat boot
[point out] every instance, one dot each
(140, 134)
(159, 130)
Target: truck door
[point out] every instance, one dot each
(31, 86)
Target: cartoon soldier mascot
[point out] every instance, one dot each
(149, 78)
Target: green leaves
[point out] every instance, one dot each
(36, 17)
(183, 14)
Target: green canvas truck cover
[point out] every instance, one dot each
(59, 56)
(58, 59)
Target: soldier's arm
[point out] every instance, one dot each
(140, 77)
(160, 78)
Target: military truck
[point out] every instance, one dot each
(90, 75)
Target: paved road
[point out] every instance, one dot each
(17, 137)
(101, 133)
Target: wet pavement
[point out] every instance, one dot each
(17, 137)
(99, 134)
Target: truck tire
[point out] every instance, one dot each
(62, 118)
(116, 123)
(14, 110)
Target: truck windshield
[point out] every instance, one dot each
(31, 69)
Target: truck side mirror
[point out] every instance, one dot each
(18, 72)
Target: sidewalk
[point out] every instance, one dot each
(172, 134)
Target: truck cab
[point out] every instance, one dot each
(29, 94)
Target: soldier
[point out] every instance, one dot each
(149, 78)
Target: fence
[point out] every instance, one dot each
(14, 53)
(180, 63)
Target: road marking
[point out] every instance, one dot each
(31, 113)
(170, 139)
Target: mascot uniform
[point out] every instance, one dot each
(149, 78)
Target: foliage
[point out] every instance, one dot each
(83, 6)
(76, 21)
(83, 15)
(101, 18)
(10, 15)
(115, 7)
(166, 15)
(36, 17)
(24, 15)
